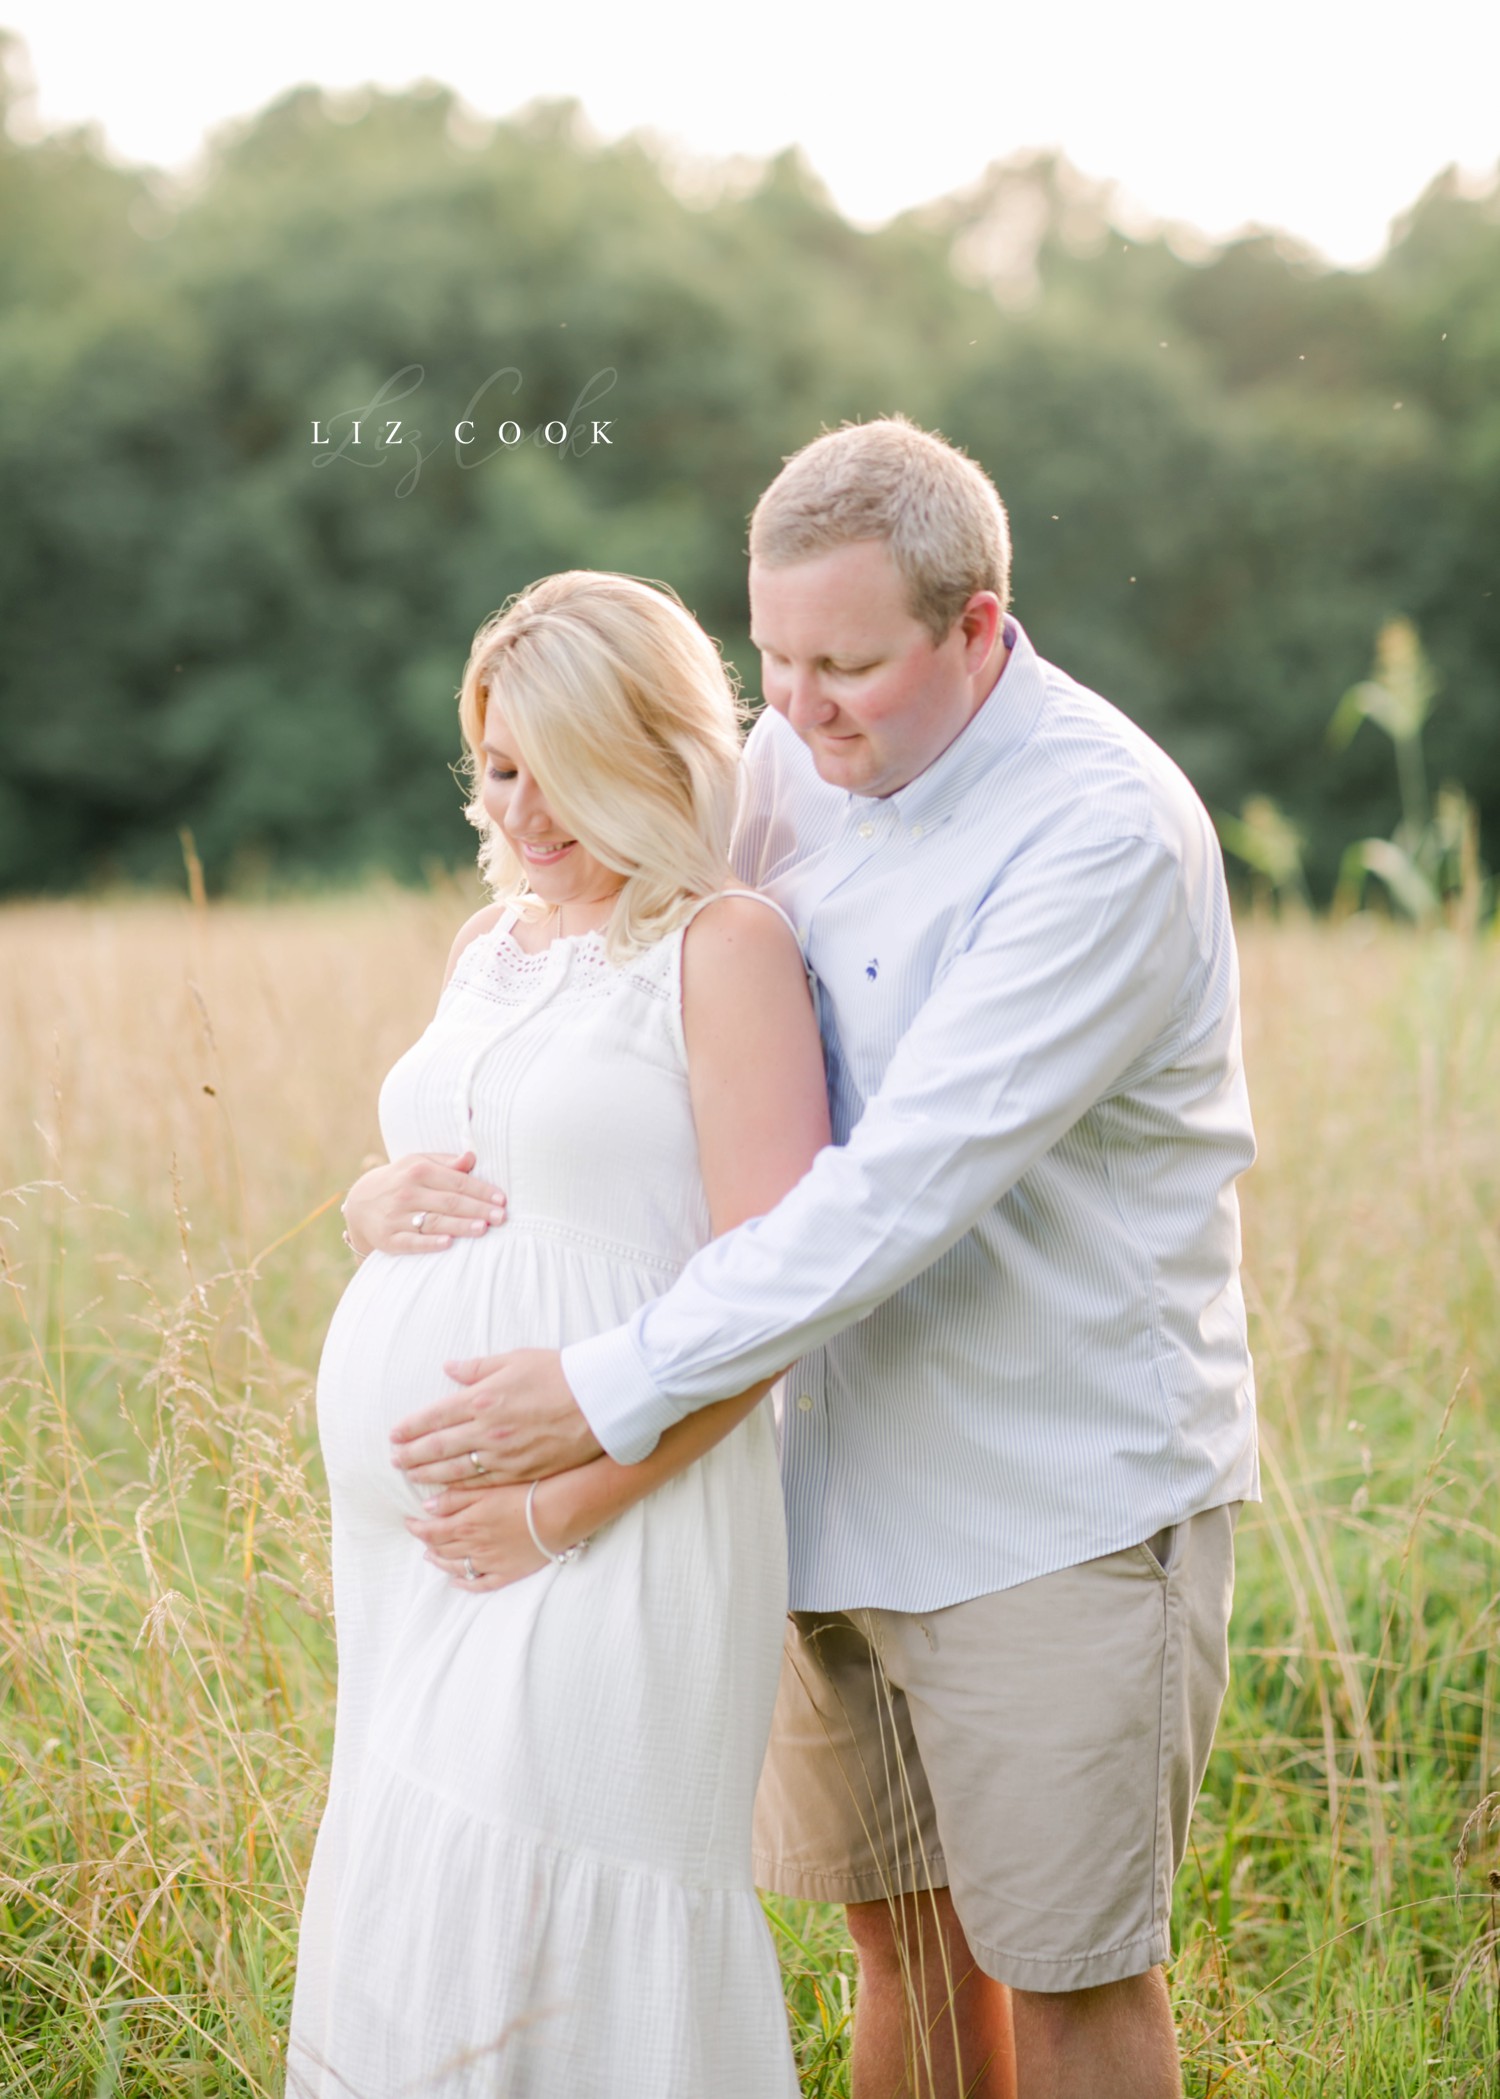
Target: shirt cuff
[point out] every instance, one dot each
(617, 1398)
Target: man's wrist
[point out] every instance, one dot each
(616, 1396)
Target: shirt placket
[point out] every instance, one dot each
(868, 828)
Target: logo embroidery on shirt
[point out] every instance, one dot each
(872, 968)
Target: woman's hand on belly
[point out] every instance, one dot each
(419, 1204)
(479, 1538)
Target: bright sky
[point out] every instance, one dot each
(1326, 117)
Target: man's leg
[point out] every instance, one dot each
(928, 2022)
(1118, 2039)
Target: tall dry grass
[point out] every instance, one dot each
(185, 1092)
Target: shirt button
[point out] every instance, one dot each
(804, 1402)
(867, 830)
(802, 935)
(916, 830)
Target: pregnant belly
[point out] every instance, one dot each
(404, 1316)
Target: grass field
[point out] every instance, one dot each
(185, 1092)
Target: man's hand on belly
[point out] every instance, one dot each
(514, 1419)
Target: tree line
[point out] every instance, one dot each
(1227, 471)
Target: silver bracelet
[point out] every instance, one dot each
(351, 1246)
(558, 1559)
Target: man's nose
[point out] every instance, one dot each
(807, 705)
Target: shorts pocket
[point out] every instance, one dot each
(1160, 1551)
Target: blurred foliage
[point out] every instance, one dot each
(1270, 846)
(1225, 471)
(1431, 861)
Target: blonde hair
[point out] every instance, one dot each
(939, 514)
(622, 710)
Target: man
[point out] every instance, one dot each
(1023, 1418)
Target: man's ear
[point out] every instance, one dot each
(980, 621)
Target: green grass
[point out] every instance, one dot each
(166, 1660)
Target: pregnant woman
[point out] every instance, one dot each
(533, 1874)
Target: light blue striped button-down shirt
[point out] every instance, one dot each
(1013, 1278)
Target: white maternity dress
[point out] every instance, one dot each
(532, 1877)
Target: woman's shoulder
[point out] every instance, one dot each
(754, 1060)
(739, 948)
(742, 924)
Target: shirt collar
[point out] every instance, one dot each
(999, 726)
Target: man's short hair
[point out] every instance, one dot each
(937, 511)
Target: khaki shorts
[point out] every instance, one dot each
(1038, 1751)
